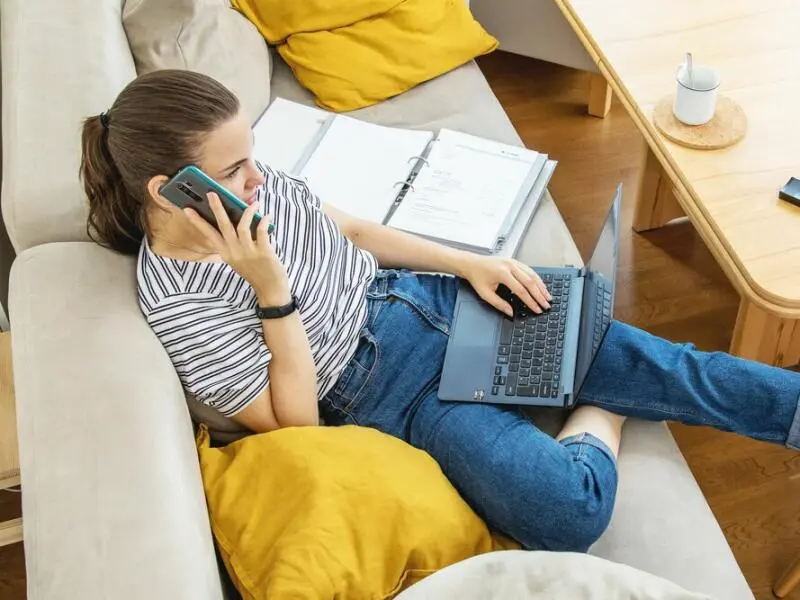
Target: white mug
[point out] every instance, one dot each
(696, 94)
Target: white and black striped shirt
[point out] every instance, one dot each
(204, 312)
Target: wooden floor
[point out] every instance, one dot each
(668, 284)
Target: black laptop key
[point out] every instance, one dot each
(525, 372)
(516, 348)
(495, 390)
(539, 345)
(528, 346)
(525, 390)
(538, 353)
(535, 379)
(511, 385)
(547, 376)
(502, 360)
(513, 367)
(514, 359)
(554, 392)
(498, 370)
(546, 389)
(525, 364)
(536, 362)
(524, 381)
(499, 380)
(504, 350)
(527, 355)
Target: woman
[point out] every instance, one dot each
(365, 345)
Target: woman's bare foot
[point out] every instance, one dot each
(605, 426)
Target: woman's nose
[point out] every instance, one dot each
(257, 176)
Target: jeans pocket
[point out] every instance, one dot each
(350, 387)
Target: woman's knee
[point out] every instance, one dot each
(574, 508)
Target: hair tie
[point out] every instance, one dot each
(104, 120)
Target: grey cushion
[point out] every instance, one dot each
(207, 36)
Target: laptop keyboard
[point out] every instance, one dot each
(531, 346)
(602, 313)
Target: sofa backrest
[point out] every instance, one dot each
(62, 61)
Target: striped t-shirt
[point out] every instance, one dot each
(204, 312)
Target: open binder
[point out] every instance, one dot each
(458, 189)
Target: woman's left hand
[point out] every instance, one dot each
(485, 273)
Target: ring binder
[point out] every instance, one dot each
(405, 183)
(419, 157)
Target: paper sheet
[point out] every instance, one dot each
(359, 167)
(468, 190)
(284, 133)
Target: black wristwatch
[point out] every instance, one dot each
(276, 312)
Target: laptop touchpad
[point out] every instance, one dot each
(470, 358)
(476, 325)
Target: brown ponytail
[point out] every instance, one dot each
(155, 127)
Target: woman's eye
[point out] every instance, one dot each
(232, 173)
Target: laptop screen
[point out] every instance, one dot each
(601, 273)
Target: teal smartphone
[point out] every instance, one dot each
(189, 188)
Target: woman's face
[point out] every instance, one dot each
(227, 158)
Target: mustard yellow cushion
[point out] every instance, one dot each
(350, 60)
(334, 512)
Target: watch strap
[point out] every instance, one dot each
(276, 312)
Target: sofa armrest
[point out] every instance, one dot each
(113, 502)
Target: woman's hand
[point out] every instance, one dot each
(255, 260)
(485, 273)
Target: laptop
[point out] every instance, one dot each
(535, 359)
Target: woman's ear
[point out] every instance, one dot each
(153, 187)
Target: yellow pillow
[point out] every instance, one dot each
(334, 512)
(376, 57)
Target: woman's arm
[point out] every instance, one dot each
(291, 397)
(397, 249)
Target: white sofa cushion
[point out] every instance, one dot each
(542, 576)
(206, 36)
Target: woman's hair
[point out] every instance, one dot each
(156, 126)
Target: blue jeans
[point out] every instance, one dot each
(546, 494)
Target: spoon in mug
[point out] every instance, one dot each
(689, 68)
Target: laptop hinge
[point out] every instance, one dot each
(582, 272)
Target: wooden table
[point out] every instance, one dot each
(730, 195)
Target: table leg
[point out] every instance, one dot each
(599, 96)
(656, 204)
(789, 581)
(762, 336)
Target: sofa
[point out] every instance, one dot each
(113, 502)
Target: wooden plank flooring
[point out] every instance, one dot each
(668, 284)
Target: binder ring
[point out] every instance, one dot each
(422, 158)
(396, 183)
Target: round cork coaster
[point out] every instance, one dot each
(727, 127)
